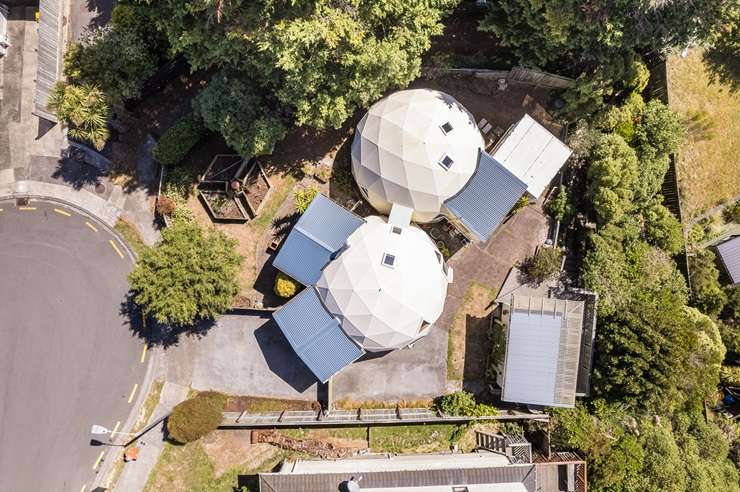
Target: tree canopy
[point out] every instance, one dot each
(191, 274)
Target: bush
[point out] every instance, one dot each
(730, 375)
(194, 418)
(84, 109)
(166, 205)
(285, 286)
(304, 197)
(560, 207)
(462, 403)
(520, 204)
(544, 265)
(178, 140)
(731, 213)
(708, 294)
(663, 229)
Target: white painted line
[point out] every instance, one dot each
(62, 212)
(115, 429)
(97, 461)
(143, 353)
(84, 488)
(133, 392)
(28, 209)
(95, 229)
(113, 245)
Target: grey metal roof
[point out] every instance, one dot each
(487, 198)
(401, 480)
(542, 351)
(315, 335)
(320, 232)
(49, 54)
(729, 252)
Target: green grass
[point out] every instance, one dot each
(411, 438)
(267, 214)
(357, 433)
(131, 235)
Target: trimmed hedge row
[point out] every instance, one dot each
(178, 140)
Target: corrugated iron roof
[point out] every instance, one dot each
(487, 198)
(323, 482)
(320, 232)
(47, 73)
(729, 252)
(542, 351)
(315, 335)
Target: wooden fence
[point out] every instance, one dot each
(517, 74)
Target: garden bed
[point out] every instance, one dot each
(221, 207)
(223, 168)
(256, 188)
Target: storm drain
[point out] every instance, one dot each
(22, 202)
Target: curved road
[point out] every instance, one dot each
(68, 358)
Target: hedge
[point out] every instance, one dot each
(194, 418)
(177, 141)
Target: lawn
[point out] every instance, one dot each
(468, 344)
(131, 235)
(708, 159)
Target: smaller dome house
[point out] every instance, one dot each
(386, 286)
(415, 148)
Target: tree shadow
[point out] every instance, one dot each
(78, 174)
(477, 349)
(723, 64)
(157, 334)
(281, 358)
(103, 10)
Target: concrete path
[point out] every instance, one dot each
(136, 473)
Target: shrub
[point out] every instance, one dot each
(166, 205)
(84, 109)
(462, 403)
(520, 204)
(731, 213)
(194, 418)
(708, 294)
(177, 141)
(544, 265)
(730, 375)
(285, 286)
(663, 229)
(560, 207)
(304, 197)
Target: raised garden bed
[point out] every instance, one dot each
(223, 208)
(256, 187)
(223, 168)
(233, 189)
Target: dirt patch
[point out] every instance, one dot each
(257, 405)
(230, 448)
(469, 345)
(256, 189)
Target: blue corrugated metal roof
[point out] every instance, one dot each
(321, 231)
(315, 335)
(487, 198)
(729, 252)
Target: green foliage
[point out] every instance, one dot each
(520, 204)
(708, 293)
(83, 108)
(659, 131)
(730, 375)
(730, 333)
(319, 59)
(116, 60)
(722, 57)
(731, 213)
(303, 198)
(285, 286)
(544, 265)
(560, 207)
(462, 403)
(731, 312)
(612, 176)
(196, 417)
(178, 140)
(231, 106)
(663, 229)
(190, 274)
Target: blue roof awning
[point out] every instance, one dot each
(729, 252)
(489, 195)
(320, 232)
(315, 335)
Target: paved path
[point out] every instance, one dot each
(135, 474)
(67, 356)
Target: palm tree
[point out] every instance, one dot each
(84, 110)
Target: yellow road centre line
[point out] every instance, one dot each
(143, 353)
(97, 461)
(84, 488)
(95, 229)
(28, 209)
(115, 429)
(1, 209)
(62, 212)
(133, 392)
(113, 245)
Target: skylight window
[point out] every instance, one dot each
(389, 260)
(396, 230)
(446, 128)
(446, 162)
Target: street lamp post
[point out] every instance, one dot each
(99, 430)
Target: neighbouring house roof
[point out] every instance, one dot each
(320, 232)
(49, 55)
(542, 351)
(431, 473)
(729, 253)
(416, 148)
(487, 198)
(315, 335)
(532, 154)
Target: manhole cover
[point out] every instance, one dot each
(100, 188)
(22, 202)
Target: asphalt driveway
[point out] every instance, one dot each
(67, 357)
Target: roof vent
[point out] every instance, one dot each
(446, 128)
(396, 230)
(446, 162)
(389, 260)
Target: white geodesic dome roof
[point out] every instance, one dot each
(398, 147)
(382, 307)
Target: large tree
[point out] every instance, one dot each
(320, 59)
(190, 274)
